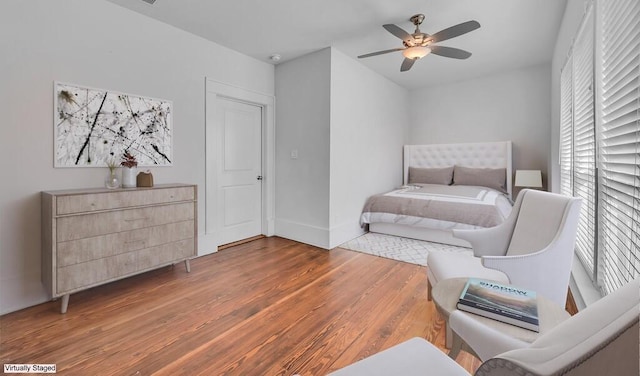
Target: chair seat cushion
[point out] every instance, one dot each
(415, 357)
(446, 265)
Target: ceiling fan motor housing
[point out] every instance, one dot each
(419, 38)
(417, 19)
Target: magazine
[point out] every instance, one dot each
(505, 303)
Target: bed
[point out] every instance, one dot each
(428, 207)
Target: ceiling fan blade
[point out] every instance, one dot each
(398, 32)
(380, 52)
(407, 64)
(455, 53)
(454, 31)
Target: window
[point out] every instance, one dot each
(620, 143)
(584, 141)
(600, 140)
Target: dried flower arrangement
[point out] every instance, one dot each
(112, 165)
(128, 160)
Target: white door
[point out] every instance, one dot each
(238, 203)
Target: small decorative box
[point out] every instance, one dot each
(144, 179)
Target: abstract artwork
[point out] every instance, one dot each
(94, 127)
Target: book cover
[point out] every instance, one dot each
(505, 303)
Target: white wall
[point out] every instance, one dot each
(303, 121)
(348, 125)
(512, 106)
(369, 126)
(571, 20)
(97, 44)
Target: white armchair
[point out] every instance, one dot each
(600, 340)
(532, 248)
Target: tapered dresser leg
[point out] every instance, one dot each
(187, 265)
(64, 303)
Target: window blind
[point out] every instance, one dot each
(584, 145)
(566, 128)
(620, 143)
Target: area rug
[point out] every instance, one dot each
(398, 248)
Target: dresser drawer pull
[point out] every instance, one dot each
(134, 241)
(136, 219)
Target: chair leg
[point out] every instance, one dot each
(456, 345)
(448, 339)
(428, 290)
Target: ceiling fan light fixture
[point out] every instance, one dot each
(416, 52)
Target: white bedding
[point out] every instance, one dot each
(481, 199)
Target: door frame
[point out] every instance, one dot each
(208, 243)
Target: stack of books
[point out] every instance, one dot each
(505, 303)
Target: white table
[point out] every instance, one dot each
(446, 294)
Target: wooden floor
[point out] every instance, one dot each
(267, 307)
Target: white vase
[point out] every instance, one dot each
(129, 177)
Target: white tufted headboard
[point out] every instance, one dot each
(476, 155)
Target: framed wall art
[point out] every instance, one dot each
(95, 126)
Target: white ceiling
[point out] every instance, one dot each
(513, 33)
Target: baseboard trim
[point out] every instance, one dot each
(300, 232)
(207, 244)
(343, 233)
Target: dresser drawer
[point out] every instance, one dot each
(84, 275)
(88, 274)
(83, 250)
(165, 254)
(90, 225)
(82, 203)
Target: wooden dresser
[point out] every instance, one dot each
(95, 236)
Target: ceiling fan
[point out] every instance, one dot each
(419, 44)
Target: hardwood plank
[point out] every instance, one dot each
(571, 305)
(267, 307)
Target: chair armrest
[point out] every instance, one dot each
(547, 271)
(491, 241)
(485, 341)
